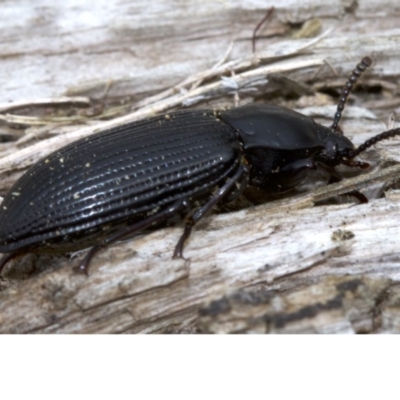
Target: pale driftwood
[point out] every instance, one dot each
(285, 266)
(334, 304)
(136, 287)
(128, 46)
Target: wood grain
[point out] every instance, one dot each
(283, 266)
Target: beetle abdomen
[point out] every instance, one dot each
(112, 176)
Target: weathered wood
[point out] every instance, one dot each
(285, 266)
(334, 304)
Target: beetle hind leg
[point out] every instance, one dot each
(6, 258)
(240, 177)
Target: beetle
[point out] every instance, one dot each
(124, 180)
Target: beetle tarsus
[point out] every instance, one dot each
(356, 164)
(358, 195)
(178, 252)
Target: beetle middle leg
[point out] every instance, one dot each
(159, 217)
(228, 189)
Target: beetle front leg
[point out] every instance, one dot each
(240, 176)
(337, 177)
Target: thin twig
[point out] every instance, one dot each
(6, 107)
(279, 50)
(259, 25)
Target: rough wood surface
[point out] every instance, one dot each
(283, 266)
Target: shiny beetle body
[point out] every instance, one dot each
(94, 186)
(124, 180)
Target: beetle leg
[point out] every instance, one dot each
(337, 177)
(159, 217)
(6, 258)
(298, 165)
(240, 176)
(238, 189)
(358, 195)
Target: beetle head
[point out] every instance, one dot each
(336, 147)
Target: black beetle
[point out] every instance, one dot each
(121, 181)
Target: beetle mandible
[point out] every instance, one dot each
(126, 179)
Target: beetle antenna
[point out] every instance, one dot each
(370, 142)
(351, 81)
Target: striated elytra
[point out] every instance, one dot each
(172, 167)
